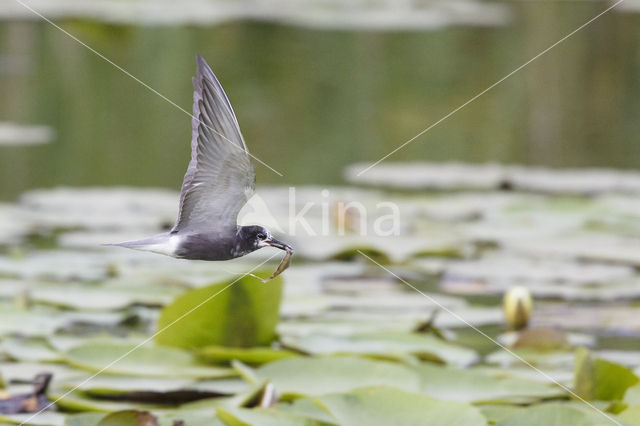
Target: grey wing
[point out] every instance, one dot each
(220, 177)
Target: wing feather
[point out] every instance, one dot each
(220, 177)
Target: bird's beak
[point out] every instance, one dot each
(278, 244)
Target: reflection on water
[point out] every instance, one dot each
(311, 102)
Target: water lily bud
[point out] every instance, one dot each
(517, 306)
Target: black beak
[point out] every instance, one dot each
(278, 244)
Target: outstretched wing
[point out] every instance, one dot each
(220, 177)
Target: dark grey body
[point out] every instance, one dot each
(217, 245)
(214, 246)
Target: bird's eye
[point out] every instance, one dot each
(261, 236)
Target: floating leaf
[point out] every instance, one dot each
(631, 415)
(307, 407)
(316, 376)
(260, 355)
(383, 406)
(599, 379)
(480, 387)
(385, 345)
(46, 418)
(555, 414)
(114, 386)
(239, 313)
(129, 418)
(141, 361)
(29, 350)
(262, 417)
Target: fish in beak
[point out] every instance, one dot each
(278, 244)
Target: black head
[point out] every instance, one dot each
(256, 237)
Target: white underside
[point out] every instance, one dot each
(167, 247)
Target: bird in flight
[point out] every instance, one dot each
(218, 182)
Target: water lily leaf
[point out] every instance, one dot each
(165, 418)
(480, 387)
(632, 395)
(317, 376)
(218, 354)
(496, 413)
(29, 350)
(385, 345)
(103, 296)
(46, 418)
(240, 313)
(541, 359)
(84, 419)
(599, 379)
(129, 418)
(631, 415)
(383, 406)
(79, 402)
(307, 407)
(142, 361)
(262, 417)
(37, 321)
(555, 414)
(107, 385)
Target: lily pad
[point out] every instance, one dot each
(480, 387)
(295, 377)
(556, 414)
(599, 379)
(29, 350)
(115, 386)
(46, 418)
(141, 361)
(259, 355)
(129, 418)
(383, 406)
(262, 417)
(385, 345)
(240, 313)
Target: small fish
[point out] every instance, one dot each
(284, 264)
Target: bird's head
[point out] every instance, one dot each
(259, 237)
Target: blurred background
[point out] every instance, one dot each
(316, 85)
(519, 215)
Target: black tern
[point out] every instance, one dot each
(218, 182)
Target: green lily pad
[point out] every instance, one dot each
(84, 419)
(317, 376)
(383, 406)
(142, 361)
(103, 296)
(129, 418)
(46, 418)
(632, 395)
(262, 417)
(243, 313)
(306, 407)
(108, 385)
(385, 345)
(480, 387)
(260, 355)
(556, 414)
(599, 379)
(496, 413)
(631, 415)
(29, 350)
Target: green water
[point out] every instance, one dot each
(310, 102)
